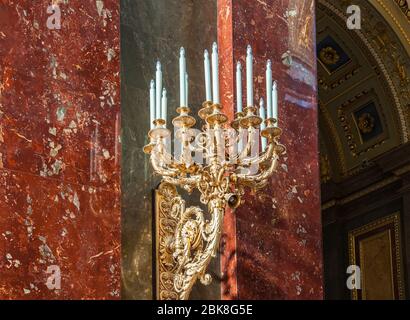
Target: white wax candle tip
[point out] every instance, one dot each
(268, 63)
(182, 51)
(152, 84)
(158, 65)
(274, 85)
(206, 54)
(249, 49)
(164, 92)
(214, 46)
(238, 65)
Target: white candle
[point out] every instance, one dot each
(249, 77)
(207, 67)
(262, 112)
(240, 142)
(152, 103)
(275, 102)
(182, 72)
(269, 89)
(186, 89)
(158, 90)
(238, 87)
(215, 74)
(164, 103)
(263, 126)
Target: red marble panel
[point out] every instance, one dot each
(229, 289)
(278, 231)
(60, 91)
(59, 150)
(46, 222)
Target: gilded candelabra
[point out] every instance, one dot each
(191, 241)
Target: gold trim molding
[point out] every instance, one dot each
(165, 224)
(391, 15)
(404, 7)
(186, 242)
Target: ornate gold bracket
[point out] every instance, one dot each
(186, 242)
(165, 225)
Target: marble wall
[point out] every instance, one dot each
(273, 244)
(59, 150)
(151, 30)
(60, 145)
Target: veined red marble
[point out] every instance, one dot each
(229, 288)
(59, 150)
(273, 250)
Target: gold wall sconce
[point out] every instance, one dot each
(233, 156)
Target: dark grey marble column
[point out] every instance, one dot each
(151, 30)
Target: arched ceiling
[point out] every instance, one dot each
(364, 86)
(397, 14)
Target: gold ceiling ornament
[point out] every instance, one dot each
(325, 171)
(366, 123)
(404, 6)
(329, 56)
(186, 239)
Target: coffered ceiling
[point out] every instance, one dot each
(364, 88)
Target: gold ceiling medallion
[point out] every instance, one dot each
(329, 56)
(366, 123)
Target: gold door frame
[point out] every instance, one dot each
(391, 224)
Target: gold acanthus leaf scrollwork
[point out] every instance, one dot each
(166, 199)
(196, 239)
(187, 241)
(196, 243)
